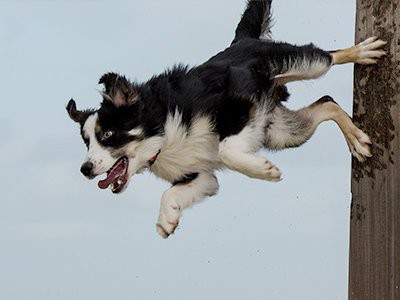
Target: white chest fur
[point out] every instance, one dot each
(187, 150)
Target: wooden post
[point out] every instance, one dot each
(375, 209)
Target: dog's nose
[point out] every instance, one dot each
(87, 169)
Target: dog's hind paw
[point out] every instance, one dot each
(370, 50)
(359, 144)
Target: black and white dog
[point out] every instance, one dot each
(186, 123)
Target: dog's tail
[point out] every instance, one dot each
(255, 22)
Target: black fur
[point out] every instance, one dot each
(242, 87)
(256, 20)
(79, 116)
(325, 99)
(226, 87)
(186, 179)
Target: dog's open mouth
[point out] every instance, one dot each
(116, 176)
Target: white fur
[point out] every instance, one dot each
(237, 151)
(277, 131)
(141, 152)
(136, 131)
(98, 155)
(181, 196)
(197, 149)
(186, 150)
(279, 134)
(302, 69)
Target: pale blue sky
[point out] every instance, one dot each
(63, 238)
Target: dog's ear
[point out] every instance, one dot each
(76, 115)
(118, 90)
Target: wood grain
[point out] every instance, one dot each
(375, 209)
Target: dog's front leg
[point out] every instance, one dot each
(180, 196)
(237, 152)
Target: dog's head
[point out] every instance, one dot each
(118, 141)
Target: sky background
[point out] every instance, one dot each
(63, 238)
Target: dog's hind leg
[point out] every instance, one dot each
(293, 63)
(182, 195)
(309, 62)
(237, 153)
(293, 128)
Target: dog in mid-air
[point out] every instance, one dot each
(186, 123)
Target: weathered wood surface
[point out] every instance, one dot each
(375, 210)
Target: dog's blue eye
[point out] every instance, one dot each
(107, 134)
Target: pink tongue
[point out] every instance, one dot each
(103, 184)
(112, 176)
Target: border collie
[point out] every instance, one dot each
(186, 123)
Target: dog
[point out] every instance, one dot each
(186, 123)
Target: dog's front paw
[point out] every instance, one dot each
(168, 219)
(263, 169)
(359, 144)
(271, 172)
(369, 51)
